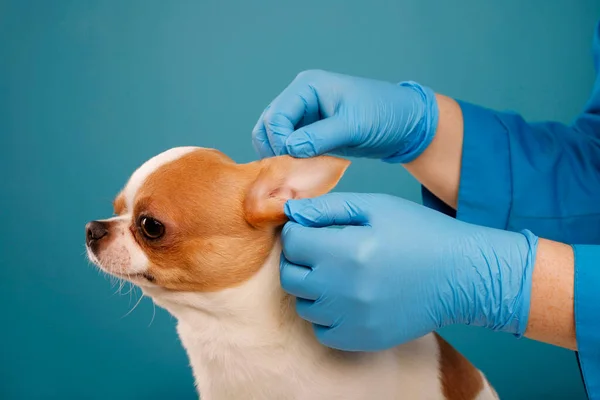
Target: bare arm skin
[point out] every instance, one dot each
(438, 167)
(551, 317)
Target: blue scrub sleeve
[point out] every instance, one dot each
(516, 175)
(587, 318)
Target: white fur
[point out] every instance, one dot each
(488, 392)
(123, 256)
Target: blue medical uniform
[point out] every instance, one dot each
(544, 177)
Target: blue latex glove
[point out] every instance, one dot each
(396, 271)
(322, 112)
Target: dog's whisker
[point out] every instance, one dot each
(134, 307)
(131, 286)
(153, 313)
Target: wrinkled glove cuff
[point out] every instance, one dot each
(514, 314)
(422, 132)
(503, 283)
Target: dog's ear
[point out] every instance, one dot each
(283, 178)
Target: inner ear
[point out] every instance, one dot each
(283, 178)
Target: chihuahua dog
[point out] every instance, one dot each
(199, 234)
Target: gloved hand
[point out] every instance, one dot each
(396, 271)
(322, 112)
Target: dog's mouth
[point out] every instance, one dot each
(142, 276)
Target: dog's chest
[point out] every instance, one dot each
(226, 368)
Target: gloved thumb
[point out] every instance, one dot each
(318, 138)
(327, 210)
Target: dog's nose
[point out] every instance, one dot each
(94, 231)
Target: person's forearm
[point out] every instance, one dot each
(551, 316)
(438, 167)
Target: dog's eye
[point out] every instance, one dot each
(151, 228)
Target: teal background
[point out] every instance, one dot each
(91, 89)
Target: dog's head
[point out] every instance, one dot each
(191, 219)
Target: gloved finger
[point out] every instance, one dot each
(260, 141)
(278, 127)
(330, 209)
(310, 311)
(307, 246)
(311, 115)
(321, 137)
(296, 103)
(293, 278)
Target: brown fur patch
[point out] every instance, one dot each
(119, 204)
(200, 198)
(459, 378)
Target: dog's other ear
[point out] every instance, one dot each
(283, 178)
